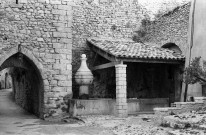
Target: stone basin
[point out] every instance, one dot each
(106, 106)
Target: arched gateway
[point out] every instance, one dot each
(41, 65)
(30, 84)
(26, 73)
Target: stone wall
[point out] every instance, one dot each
(172, 27)
(102, 18)
(106, 106)
(45, 31)
(26, 89)
(41, 30)
(107, 18)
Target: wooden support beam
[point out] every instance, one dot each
(111, 64)
(103, 53)
(95, 58)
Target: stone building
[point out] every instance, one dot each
(36, 42)
(42, 40)
(143, 74)
(171, 27)
(37, 37)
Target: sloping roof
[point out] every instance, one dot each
(130, 49)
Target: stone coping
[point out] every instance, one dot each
(90, 99)
(145, 100)
(155, 100)
(128, 99)
(165, 109)
(200, 98)
(185, 103)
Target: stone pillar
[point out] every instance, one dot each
(121, 91)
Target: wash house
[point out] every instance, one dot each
(136, 77)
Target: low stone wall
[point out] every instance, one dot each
(146, 105)
(91, 107)
(107, 106)
(200, 99)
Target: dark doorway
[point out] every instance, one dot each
(27, 83)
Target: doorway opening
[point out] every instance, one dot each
(25, 80)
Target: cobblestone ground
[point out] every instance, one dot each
(14, 120)
(188, 123)
(133, 125)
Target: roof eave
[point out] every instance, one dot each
(148, 60)
(102, 53)
(113, 58)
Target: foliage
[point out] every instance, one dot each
(195, 72)
(140, 34)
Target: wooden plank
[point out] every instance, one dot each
(111, 64)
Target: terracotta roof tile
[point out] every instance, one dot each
(131, 49)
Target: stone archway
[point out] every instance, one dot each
(172, 46)
(8, 52)
(26, 73)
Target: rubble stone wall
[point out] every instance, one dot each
(41, 30)
(107, 18)
(26, 89)
(172, 27)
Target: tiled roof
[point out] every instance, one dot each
(131, 49)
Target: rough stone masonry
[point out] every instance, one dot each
(40, 31)
(45, 33)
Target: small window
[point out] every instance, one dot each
(17, 1)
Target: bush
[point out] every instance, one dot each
(195, 72)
